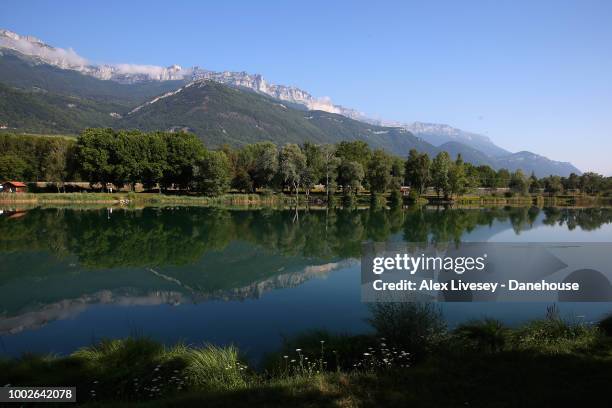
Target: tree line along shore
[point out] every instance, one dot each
(107, 160)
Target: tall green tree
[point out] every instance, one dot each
(355, 151)
(572, 182)
(55, 164)
(330, 168)
(126, 156)
(314, 160)
(487, 177)
(350, 176)
(292, 165)
(534, 183)
(154, 160)
(183, 151)
(265, 163)
(378, 172)
(417, 171)
(397, 177)
(472, 176)
(519, 183)
(553, 185)
(457, 179)
(12, 167)
(440, 167)
(93, 155)
(502, 178)
(243, 167)
(315, 166)
(242, 181)
(592, 183)
(397, 170)
(213, 173)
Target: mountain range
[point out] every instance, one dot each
(53, 90)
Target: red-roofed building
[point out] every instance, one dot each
(14, 187)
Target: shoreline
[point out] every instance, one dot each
(325, 368)
(136, 199)
(130, 199)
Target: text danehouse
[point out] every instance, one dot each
(460, 285)
(486, 272)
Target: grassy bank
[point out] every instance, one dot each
(266, 200)
(156, 199)
(140, 199)
(540, 200)
(411, 360)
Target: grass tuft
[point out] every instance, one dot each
(555, 336)
(488, 335)
(215, 368)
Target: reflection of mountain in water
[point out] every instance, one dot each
(69, 308)
(281, 281)
(54, 263)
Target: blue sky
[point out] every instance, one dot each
(532, 75)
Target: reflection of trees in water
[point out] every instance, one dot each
(449, 225)
(157, 237)
(587, 219)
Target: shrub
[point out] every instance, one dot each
(555, 336)
(485, 335)
(413, 196)
(415, 327)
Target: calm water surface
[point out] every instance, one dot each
(71, 277)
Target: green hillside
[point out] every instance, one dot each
(220, 114)
(468, 153)
(395, 140)
(40, 98)
(44, 112)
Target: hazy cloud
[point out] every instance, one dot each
(68, 58)
(324, 104)
(32, 46)
(152, 71)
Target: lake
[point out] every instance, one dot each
(70, 277)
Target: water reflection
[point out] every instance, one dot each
(56, 263)
(161, 237)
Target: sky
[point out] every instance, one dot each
(531, 75)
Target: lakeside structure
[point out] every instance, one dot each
(13, 187)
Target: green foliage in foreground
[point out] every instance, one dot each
(485, 335)
(418, 327)
(132, 369)
(324, 369)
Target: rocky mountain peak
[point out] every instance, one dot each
(432, 133)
